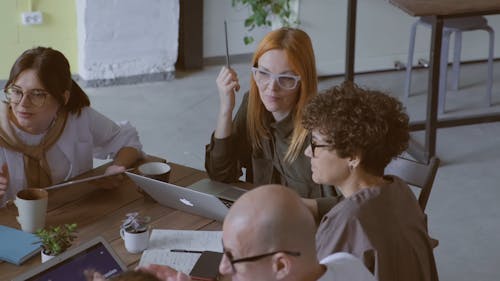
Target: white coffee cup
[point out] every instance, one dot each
(155, 170)
(135, 243)
(31, 204)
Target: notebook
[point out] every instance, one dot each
(96, 254)
(187, 199)
(17, 246)
(162, 241)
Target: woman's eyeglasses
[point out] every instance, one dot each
(36, 97)
(315, 145)
(285, 81)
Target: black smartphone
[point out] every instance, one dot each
(207, 266)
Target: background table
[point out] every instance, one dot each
(98, 211)
(439, 10)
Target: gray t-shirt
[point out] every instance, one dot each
(385, 228)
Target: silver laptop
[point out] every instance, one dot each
(205, 198)
(96, 254)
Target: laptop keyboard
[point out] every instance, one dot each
(226, 202)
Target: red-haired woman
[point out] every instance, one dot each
(266, 136)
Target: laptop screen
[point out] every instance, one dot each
(96, 257)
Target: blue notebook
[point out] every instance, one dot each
(17, 246)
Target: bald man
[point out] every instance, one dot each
(269, 234)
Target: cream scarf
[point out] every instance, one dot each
(36, 168)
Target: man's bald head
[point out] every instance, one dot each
(272, 217)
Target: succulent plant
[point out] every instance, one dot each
(135, 223)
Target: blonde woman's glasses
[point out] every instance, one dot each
(285, 81)
(36, 97)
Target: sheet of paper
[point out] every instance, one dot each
(163, 240)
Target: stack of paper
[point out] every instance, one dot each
(17, 246)
(162, 241)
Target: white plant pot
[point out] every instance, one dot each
(135, 243)
(45, 257)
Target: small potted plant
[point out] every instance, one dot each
(135, 232)
(55, 239)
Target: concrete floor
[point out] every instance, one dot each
(175, 120)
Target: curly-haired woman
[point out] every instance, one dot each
(355, 134)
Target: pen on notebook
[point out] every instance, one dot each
(185, 251)
(228, 65)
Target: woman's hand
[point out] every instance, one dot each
(227, 83)
(112, 181)
(92, 275)
(4, 179)
(165, 273)
(114, 169)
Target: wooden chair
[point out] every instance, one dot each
(419, 175)
(415, 174)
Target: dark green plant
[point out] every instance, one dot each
(58, 239)
(261, 11)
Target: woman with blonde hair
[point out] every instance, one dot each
(266, 136)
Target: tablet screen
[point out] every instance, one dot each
(96, 257)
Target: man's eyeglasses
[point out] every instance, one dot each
(232, 261)
(285, 81)
(36, 97)
(314, 146)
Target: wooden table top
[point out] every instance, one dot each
(448, 7)
(98, 211)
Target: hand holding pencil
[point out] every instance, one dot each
(227, 82)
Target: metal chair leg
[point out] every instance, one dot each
(489, 82)
(455, 73)
(409, 61)
(443, 75)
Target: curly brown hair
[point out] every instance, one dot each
(363, 122)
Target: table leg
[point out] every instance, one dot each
(433, 94)
(350, 46)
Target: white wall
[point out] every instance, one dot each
(382, 34)
(214, 14)
(123, 38)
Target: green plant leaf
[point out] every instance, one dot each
(248, 40)
(260, 12)
(56, 240)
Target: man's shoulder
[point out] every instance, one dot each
(344, 266)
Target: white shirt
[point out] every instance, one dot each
(90, 135)
(345, 267)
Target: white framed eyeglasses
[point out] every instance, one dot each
(285, 81)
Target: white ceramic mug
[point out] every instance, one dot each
(135, 242)
(155, 170)
(31, 204)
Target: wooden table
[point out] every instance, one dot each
(99, 211)
(439, 10)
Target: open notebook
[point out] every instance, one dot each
(164, 240)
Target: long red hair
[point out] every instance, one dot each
(298, 48)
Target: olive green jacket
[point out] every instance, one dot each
(225, 158)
